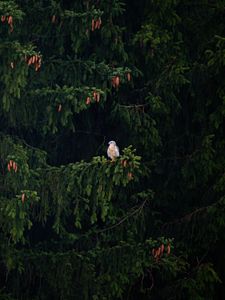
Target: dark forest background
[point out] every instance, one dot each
(75, 75)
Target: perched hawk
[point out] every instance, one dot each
(113, 150)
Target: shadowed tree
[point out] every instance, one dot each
(75, 75)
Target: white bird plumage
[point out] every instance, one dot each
(113, 150)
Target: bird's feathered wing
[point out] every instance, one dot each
(108, 153)
(113, 151)
(117, 152)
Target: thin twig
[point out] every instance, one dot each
(101, 144)
(125, 218)
(186, 217)
(152, 279)
(134, 105)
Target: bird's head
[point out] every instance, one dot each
(112, 143)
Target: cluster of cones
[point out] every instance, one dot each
(96, 24)
(96, 97)
(125, 164)
(116, 80)
(35, 60)
(12, 165)
(9, 20)
(158, 252)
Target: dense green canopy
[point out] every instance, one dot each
(75, 75)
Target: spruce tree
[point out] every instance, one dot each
(72, 223)
(75, 75)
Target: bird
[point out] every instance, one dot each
(113, 150)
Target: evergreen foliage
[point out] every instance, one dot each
(75, 75)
